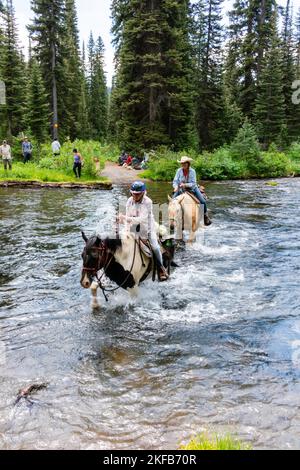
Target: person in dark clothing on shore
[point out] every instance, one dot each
(78, 161)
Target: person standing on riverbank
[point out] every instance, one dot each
(56, 148)
(5, 153)
(27, 150)
(78, 162)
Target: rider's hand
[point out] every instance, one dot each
(121, 218)
(182, 185)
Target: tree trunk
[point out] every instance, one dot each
(54, 93)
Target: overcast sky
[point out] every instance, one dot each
(93, 15)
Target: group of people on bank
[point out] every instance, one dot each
(27, 151)
(133, 162)
(6, 153)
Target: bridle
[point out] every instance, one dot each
(104, 260)
(174, 211)
(101, 261)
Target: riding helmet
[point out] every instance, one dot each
(138, 187)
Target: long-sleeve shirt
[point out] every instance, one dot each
(56, 146)
(26, 147)
(5, 152)
(141, 213)
(190, 181)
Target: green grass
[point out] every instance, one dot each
(204, 442)
(45, 168)
(32, 172)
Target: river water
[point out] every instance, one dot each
(216, 349)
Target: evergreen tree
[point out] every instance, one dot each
(294, 114)
(297, 41)
(153, 93)
(47, 32)
(270, 106)
(37, 103)
(73, 74)
(13, 73)
(288, 70)
(207, 38)
(250, 30)
(97, 90)
(84, 131)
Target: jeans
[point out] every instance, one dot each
(77, 169)
(7, 163)
(156, 249)
(27, 157)
(196, 191)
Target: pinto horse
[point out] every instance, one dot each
(122, 261)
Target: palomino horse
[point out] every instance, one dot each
(185, 214)
(122, 260)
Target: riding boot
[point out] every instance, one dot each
(207, 221)
(162, 274)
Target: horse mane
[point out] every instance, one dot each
(113, 244)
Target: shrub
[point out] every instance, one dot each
(245, 145)
(272, 165)
(294, 152)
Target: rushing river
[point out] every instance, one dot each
(216, 349)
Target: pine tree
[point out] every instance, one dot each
(97, 90)
(270, 106)
(13, 73)
(84, 131)
(288, 70)
(37, 103)
(153, 93)
(250, 30)
(207, 38)
(2, 109)
(73, 73)
(297, 41)
(47, 32)
(294, 115)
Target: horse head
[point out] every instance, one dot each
(95, 256)
(175, 212)
(90, 257)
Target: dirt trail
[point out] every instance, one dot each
(120, 175)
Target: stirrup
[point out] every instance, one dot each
(162, 275)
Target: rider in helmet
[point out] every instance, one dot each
(139, 217)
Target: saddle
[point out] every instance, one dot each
(145, 247)
(195, 199)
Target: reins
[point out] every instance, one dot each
(104, 290)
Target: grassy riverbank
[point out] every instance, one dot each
(45, 168)
(224, 164)
(243, 159)
(32, 172)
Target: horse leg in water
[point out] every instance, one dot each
(134, 292)
(192, 237)
(94, 290)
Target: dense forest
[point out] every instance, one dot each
(186, 76)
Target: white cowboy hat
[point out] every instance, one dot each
(185, 160)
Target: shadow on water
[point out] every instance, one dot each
(216, 348)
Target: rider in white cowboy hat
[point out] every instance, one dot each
(186, 179)
(139, 216)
